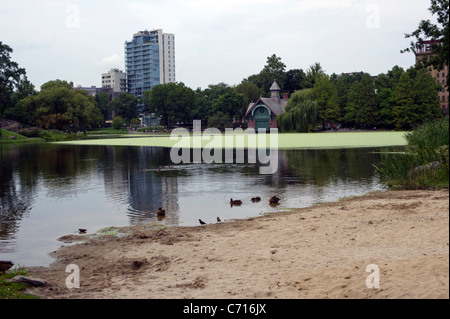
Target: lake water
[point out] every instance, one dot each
(48, 190)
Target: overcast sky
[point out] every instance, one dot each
(215, 41)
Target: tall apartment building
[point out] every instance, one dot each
(149, 61)
(116, 80)
(439, 75)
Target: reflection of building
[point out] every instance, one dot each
(262, 114)
(144, 192)
(439, 75)
(150, 190)
(169, 193)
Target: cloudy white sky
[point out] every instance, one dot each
(216, 40)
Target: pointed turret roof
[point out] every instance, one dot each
(274, 86)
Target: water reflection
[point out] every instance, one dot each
(47, 191)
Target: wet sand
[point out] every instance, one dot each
(310, 253)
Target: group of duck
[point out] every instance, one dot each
(237, 202)
(274, 200)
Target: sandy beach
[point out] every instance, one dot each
(310, 253)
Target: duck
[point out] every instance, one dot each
(235, 202)
(161, 212)
(274, 200)
(218, 220)
(5, 265)
(256, 199)
(82, 230)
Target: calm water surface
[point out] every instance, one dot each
(48, 190)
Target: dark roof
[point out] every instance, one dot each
(274, 105)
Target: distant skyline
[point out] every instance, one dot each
(216, 41)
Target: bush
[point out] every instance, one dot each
(35, 132)
(56, 136)
(118, 123)
(427, 139)
(424, 163)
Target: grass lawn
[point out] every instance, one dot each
(284, 141)
(11, 137)
(6, 135)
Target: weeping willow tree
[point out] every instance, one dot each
(301, 113)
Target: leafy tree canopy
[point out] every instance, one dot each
(60, 107)
(438, 32)
(14, 84)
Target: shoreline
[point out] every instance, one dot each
(315, 252)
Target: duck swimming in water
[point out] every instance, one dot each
(235, 202)
(274, 200)
(161, 212)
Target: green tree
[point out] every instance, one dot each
(362, 107)
(344, 83)
(103, 100)
(405, 110)
(24, 89)
(118, 123)
(249, 90)
(301, 112)
(125, 106)
(55, 84)
(298, 97)
(58, 106)
(182, 101)
(416, 99)
(231, 103)
(294, 80)
(202, 109)
(438, 33)
(12, 80)
(273, 70)
(156, 99)
(255, 79)
(311, 74)
(385, 85)
(325, 95)
(173, 103)
(213, 91)
(219, 120)
(426, 95)
(386, 100)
